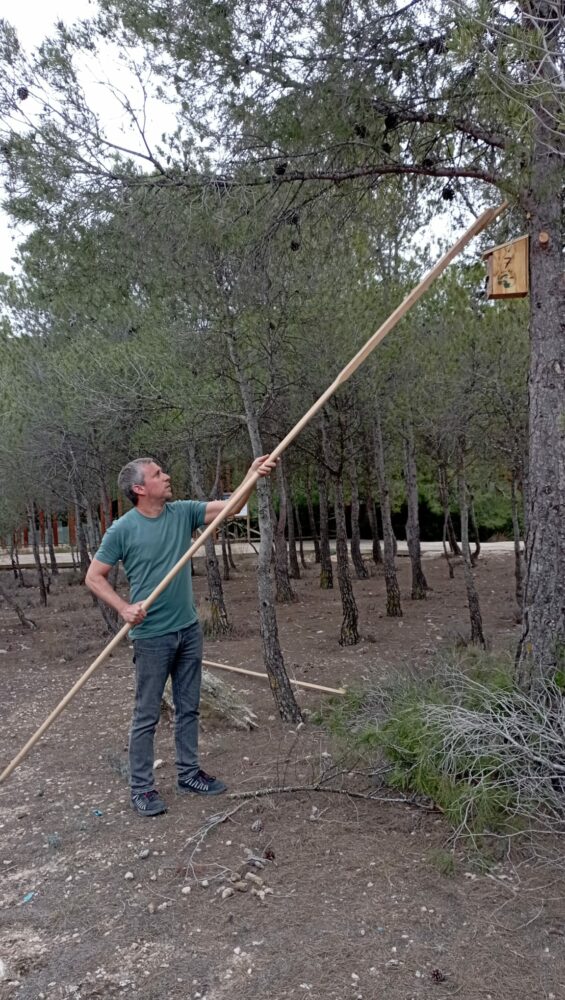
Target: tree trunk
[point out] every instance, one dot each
(50, 546)
(326, 568)
(15, 560)
(419, 584)
(377, 551)
(312, 520)
(473, 517)
(110, 616)
(32, 513)
(393, 605)
(356, 557)
(477, 636)
(444, 501)
(218, 623)
(225, 560)
(274, 664)
(349, 634)
(518, 572)
(81, 538)
(26, 622)
(541, 649)
(285, 593)
(303, 562)
(292, 554)
(230, 553)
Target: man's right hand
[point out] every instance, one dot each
(133, 613)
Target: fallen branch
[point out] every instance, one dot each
(282, 789)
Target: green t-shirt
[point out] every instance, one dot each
(148, 548)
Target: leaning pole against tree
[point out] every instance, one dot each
(481, 223)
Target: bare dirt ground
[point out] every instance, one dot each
(96, 902)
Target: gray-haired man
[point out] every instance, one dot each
(167, 639)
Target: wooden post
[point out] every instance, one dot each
(55, 526)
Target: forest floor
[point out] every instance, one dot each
(97, 902)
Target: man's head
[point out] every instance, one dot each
(145, 478)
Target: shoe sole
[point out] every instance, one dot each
(195, 791)
(147, 812)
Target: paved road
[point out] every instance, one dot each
(430, 550)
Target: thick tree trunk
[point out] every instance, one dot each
(518, 566)
(274, 664)
(218, 623)
(285, 593)
(349, 634)
(541, 650)
(326, 569)
(32, 513)
(477, 636)
(356, 557)
(419, 584)
(312, 520)
(393, 605)
(110, 616)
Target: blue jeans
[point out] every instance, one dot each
(180, 655)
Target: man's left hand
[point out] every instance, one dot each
(264, 465)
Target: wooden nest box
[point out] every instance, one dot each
(508, 270)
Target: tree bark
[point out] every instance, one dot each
(312, 520)
(32, 513)
(477, 636)
(292, 554)
(444, 501)
(377, 551)
(285, 593)
(50, 546)
(218, 623)
(81, 539)
(15, 560)
(541, 650)
(303, 562)
(361, 571)
(349, 634)
(326, 568)
(419, 583)
(473, 517)
(225, 560)
(518, 564)
(274, 664)
(393, 605)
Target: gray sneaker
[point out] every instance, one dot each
(148, 803)
(201, 784)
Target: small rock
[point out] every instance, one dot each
(144, 853)
(204, 883)
(257, 826)
(128, 876)
(241, 886)
(185, 890)
(163, 906)
(151, 907)
(256, 879)
(228, 892)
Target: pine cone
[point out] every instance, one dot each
(438, 976)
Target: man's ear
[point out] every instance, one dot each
(138, 487)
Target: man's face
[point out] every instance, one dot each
(156, 485)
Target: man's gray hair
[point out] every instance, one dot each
(132, 475)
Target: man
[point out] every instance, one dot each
(167, 639)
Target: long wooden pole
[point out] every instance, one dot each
(481, 223)
(265, 677)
